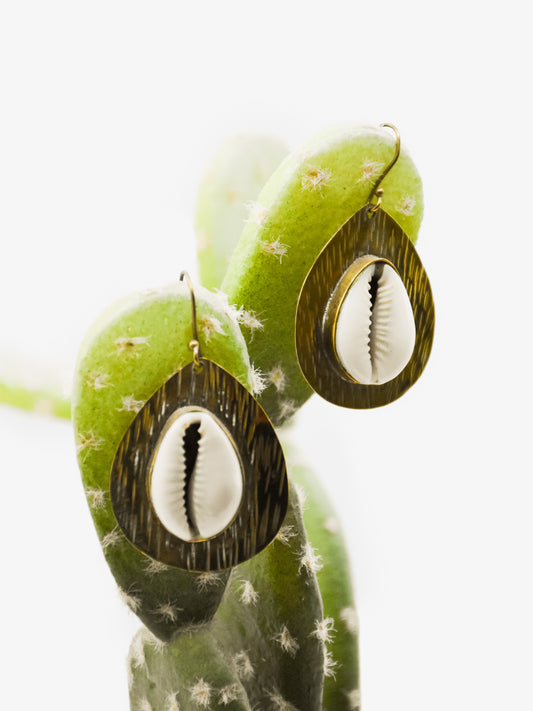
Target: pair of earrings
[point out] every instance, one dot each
(199, 480)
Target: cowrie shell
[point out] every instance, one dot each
(375, 330)
(199, 479)
(196, 481)
(354, 345)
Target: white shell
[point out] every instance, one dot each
(213, 496)
(375, 338)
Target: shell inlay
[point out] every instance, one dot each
(375, 332)
(196, 481)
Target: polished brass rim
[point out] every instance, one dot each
(364, 234)
(265, 493)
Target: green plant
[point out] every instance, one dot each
(279, 631)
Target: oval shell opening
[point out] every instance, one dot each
(196, 482)
(375, 330)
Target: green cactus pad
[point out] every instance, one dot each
(341, 685)
(312, 194)
(263, 648)
(133, 348)
(235, 176)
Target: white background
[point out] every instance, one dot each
(109, 114)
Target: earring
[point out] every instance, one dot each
(365, 316)
(199, 479)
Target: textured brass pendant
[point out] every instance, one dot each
(199, 479)
(369, 261)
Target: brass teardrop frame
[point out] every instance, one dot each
(265, 495)
(363, 234)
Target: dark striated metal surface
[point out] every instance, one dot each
(361, 235)
(265, 496)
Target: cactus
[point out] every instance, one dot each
(123, 360)
(233, 180)
(280, 630)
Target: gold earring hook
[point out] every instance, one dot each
(376, 190)
(194, 345)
